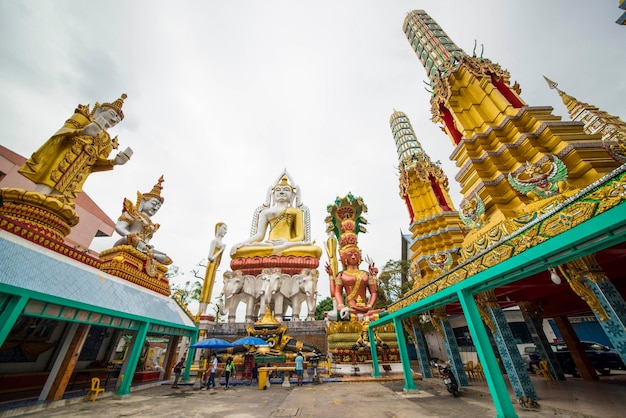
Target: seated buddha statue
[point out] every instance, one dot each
(135, 225)
(353, 285)
(279, 227)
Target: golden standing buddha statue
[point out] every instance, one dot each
(82, 146)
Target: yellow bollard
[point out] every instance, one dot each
(262, 377)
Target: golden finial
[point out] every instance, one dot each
(116, 105)
(267, 318)
(156, 190)
(551, 83)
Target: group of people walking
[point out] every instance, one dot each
(208, 380)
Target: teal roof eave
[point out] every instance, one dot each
(40, 274)
(54, 300)
(598, 233)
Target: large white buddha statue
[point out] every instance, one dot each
(281, 226)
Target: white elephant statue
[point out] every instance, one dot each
(240, 288)
(294, 291)
(268, 284)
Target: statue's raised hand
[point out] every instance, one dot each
(122, 157)
(329, 269)
(373, 269)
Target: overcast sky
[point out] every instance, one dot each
(222, 95)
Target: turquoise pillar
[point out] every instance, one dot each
(544, 350)
(422, 355)
(493, 376)
(133, 358)
(409, 383)
(452, 350)
(190, 356)
(509, 353)
(374, 352)
(614, 325)
(12, 307)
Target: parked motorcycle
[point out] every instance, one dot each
(449, 380)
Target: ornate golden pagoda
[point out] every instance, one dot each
(513, 159)
(596, 121)
(436, 227)
(494, 132)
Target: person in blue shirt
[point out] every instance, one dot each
(299, 367)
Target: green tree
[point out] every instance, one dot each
(172, 271)
(392, 282)
(189, 291)
(217, 308)
(323, 305)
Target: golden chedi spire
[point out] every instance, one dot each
(596, 122)
(436, 228)
(493, 131)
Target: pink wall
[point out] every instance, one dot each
(92, 218)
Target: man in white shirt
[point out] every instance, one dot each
(211, 383)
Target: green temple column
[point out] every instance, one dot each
(544, 350)
(12, 307)
(589, 281)
(409, 383)
(441, 322)
(193, 338)
(511, 357)
(422, 354)
(615, 307)
(130, 365)
(374, 352)
(493, 376)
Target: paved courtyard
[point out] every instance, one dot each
(339, 399)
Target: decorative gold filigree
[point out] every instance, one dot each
(481, 304)
(484, 240)
(610, 195)
(497, 255)
(528, 239)
(475, 267)
(528, 308)
(437, 315)
(575, 273)
(568, 218)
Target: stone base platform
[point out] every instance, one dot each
(364, 369)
